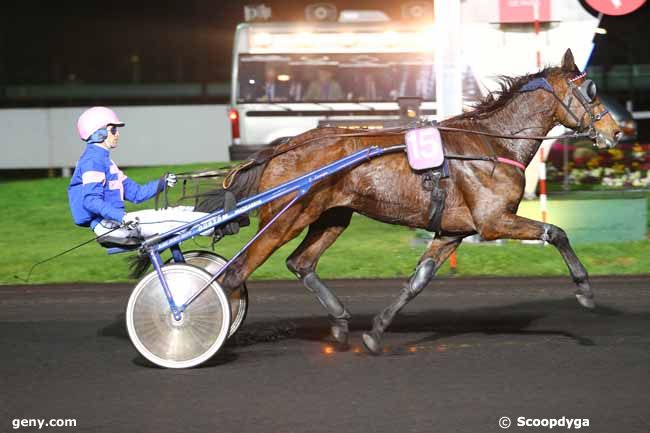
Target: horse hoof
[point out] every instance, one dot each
(372, 343)
(585, 301)
(340, 335)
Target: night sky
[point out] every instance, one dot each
(184, 41)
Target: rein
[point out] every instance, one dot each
(515, 136)
(401, 130)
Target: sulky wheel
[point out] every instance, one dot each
(212, 262)
(184, 343)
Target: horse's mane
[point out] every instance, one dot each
(497, 99)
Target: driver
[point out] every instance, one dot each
(98, 187)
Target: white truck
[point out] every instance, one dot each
(290, 77)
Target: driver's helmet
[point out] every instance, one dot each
(95, 118)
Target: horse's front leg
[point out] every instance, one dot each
(432, 259)
(515, 227)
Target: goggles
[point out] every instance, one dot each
(586, 92)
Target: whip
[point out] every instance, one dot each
(26, 280)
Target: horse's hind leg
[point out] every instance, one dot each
(439, 250)
(302, 262)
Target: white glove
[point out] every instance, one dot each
(171, 180)
(129, 222)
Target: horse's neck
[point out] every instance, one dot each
(525, 114)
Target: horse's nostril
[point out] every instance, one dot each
(618, 135)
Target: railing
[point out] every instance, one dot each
(131, 94)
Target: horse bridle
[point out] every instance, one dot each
(585, 93)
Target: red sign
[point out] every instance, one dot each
(615, 7)
(524, 11)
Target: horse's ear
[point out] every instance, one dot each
(568, 63)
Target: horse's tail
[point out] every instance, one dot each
(243, 182)
(138, 265)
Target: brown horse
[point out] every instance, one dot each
(481, 197)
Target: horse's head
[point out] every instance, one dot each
(579, 106)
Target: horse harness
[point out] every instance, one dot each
(431, 182)
(431, 178)
(585, 94)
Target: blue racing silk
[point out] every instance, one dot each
(98, 189)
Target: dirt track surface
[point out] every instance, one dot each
(465, 353)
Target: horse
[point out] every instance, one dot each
(481, 196)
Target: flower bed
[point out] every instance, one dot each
(625, 166)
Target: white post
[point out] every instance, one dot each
(447, 59)
(448, 65)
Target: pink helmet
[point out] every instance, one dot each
(94, 118)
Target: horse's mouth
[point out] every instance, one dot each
(603, 141)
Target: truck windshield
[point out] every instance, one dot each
(373, 77)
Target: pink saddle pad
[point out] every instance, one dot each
(424, 148)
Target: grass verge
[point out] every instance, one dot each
(36, 224)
